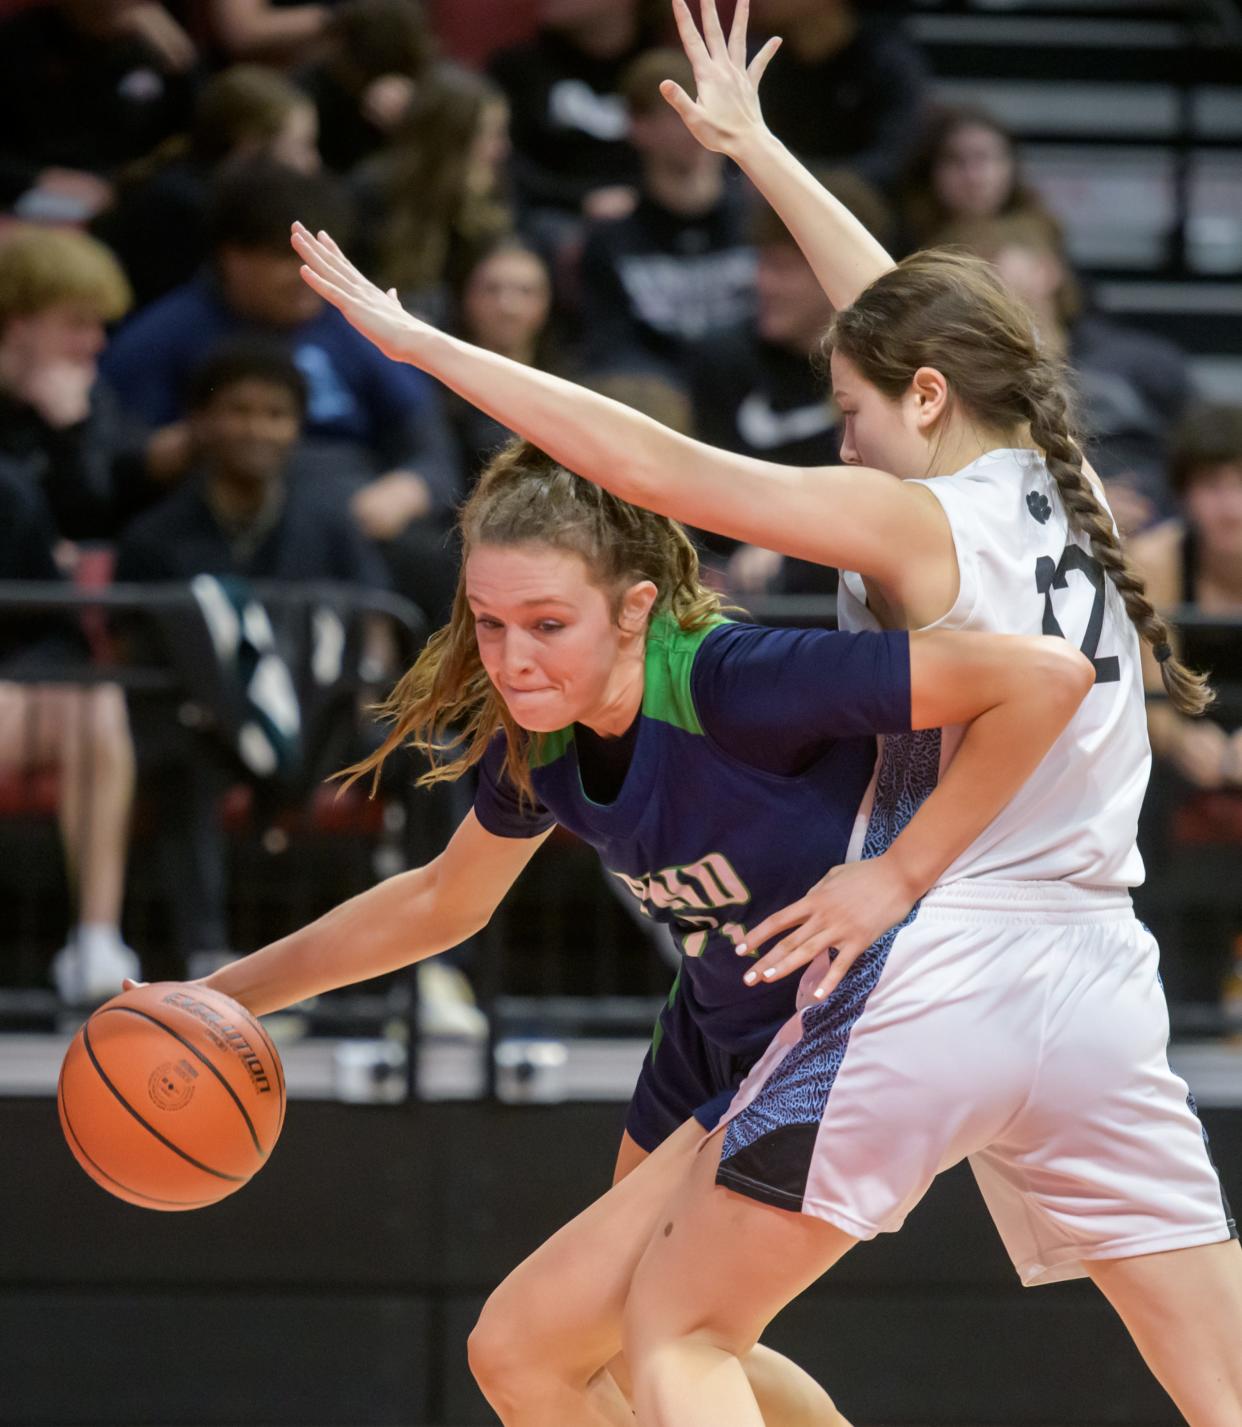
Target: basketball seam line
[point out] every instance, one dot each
(194, 1051)
(150, 1198)
(189, 1158)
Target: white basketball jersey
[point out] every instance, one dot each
(1024, 572)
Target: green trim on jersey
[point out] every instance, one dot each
(657, 1034)
(545, 748)
(666, 686)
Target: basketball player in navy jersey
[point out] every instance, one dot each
(717, 767)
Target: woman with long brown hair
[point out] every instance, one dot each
(437, 191)
(717, 767)
(1021, 995)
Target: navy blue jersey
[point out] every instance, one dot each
(753, 750)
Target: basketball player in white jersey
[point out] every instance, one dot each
(1015, 1016)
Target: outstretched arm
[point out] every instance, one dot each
(847, 516)
(405, 919)
(726, 118)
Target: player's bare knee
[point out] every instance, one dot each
(494, 1348)
(505, 1359)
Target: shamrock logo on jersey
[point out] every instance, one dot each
(1039, 505)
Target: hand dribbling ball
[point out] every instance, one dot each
(171, 1096)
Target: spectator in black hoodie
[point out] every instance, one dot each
(844, 89)
(569, 120)
(679, 269)
(83, 90)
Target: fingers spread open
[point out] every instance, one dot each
(696, 51)
(712, 31)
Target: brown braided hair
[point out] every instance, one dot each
(445, 705)
(948, 310)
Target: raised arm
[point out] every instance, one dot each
(726, 118)
(847, 516)
(1017, 693)
(405, 919)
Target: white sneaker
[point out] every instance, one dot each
(91, 966)
(446, 1003)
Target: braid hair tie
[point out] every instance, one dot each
(1162, 652)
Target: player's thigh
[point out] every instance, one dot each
(1184, 1310)
(35, 720)
(564, 1303)
(721, 1265)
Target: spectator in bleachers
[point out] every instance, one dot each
(158, 224)
(83, 90)
(380, 51)
(82, 734)
(847, 87)
(966, 169)
(680, 268)
(760, 390)
(1193, 810)
(371, 422)
(1195, 560)
(503, 304)
(241, 513)
(61, 429)
(437, 190)
(1133, 387)
(571, 158)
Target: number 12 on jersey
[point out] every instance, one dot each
(1050, 576)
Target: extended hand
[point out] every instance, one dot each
(848, 909)
(378, 315)
(727, 107)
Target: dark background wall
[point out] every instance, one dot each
(338, 1288)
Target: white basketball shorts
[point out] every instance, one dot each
(1020, 1024)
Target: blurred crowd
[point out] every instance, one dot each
(176, 405)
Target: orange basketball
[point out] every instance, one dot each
(171, 1096)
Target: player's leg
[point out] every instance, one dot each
(787, 1396)
(1106, 1171)
(717, 1270)
(96, 756)
(546, 1332)
(1184, 1311)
